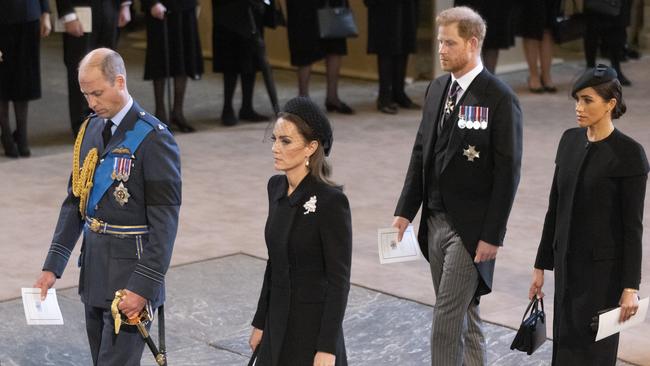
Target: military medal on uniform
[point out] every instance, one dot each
(484, 120)
(462, 122)
(121, 172)
(471, 153)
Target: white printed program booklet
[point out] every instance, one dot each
(608, 323)
(392, 251)
(39, 312)
(84, 14)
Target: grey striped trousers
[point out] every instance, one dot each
(456, 331)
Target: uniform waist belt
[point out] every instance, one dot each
(100, 227)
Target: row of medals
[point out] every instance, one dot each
(121, 173)
(472, 117)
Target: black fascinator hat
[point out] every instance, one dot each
(313, 116)
(592, 77)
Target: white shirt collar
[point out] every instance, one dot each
(465, 80)
(119, 116)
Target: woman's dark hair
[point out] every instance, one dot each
(612, 90)
(319, 168)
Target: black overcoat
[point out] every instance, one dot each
(307, 278)
(392, 26)
(500, 18)
(477, 194)
(592, 231)
(305, 45)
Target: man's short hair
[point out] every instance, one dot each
(111, 64)
(470, 23)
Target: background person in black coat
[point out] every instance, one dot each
(184, 58)
(22, 23)
(107, 16)
(500, 18)
(594, 223)
(306, 47)
(608, 32)
(309, 239)
(392, 30)
(237, 26)
(464, 174)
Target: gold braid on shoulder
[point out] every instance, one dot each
(82, 179)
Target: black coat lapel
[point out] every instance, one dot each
(472, 96)
(432, 113)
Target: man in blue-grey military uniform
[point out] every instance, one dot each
(125, 195)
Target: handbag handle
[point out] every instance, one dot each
(533, 304)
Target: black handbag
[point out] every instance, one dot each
(336, 22)
(532, 331)
(566, 28)
(604, 7)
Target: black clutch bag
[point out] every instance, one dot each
(336, 22)
(604, 7)
(532, 331)
(566, 28)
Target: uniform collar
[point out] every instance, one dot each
(119, 116)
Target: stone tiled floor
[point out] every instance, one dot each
(208, 312)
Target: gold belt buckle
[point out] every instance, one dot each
(95, 225)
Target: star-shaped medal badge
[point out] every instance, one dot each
(471, 153)
(121, 194)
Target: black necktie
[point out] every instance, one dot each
(107, 133)
(451, 101)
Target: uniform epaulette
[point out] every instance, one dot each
(152, 120)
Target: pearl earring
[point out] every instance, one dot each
(307, 162)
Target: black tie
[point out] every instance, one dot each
(451, 101)
(107, 133)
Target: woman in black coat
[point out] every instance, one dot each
(22, 23)
(237, 28)
(309, 239)
(306, 47)
(176, 21)
(593, 227)
(392, 30)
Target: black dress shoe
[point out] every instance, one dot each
(623, 80)
(339, 107)
(228, 118)
(11, 150)
(181, 123)
(252, 116)
(386, 106)
(549, 88)
(403, 101)
(23, 147)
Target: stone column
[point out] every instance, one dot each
(644, 34)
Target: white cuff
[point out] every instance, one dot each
(69, 17)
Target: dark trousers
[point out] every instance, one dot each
(104, 34)
(392, 71)
(107, 348)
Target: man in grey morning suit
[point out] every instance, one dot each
(126, 198)
(464, 172)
